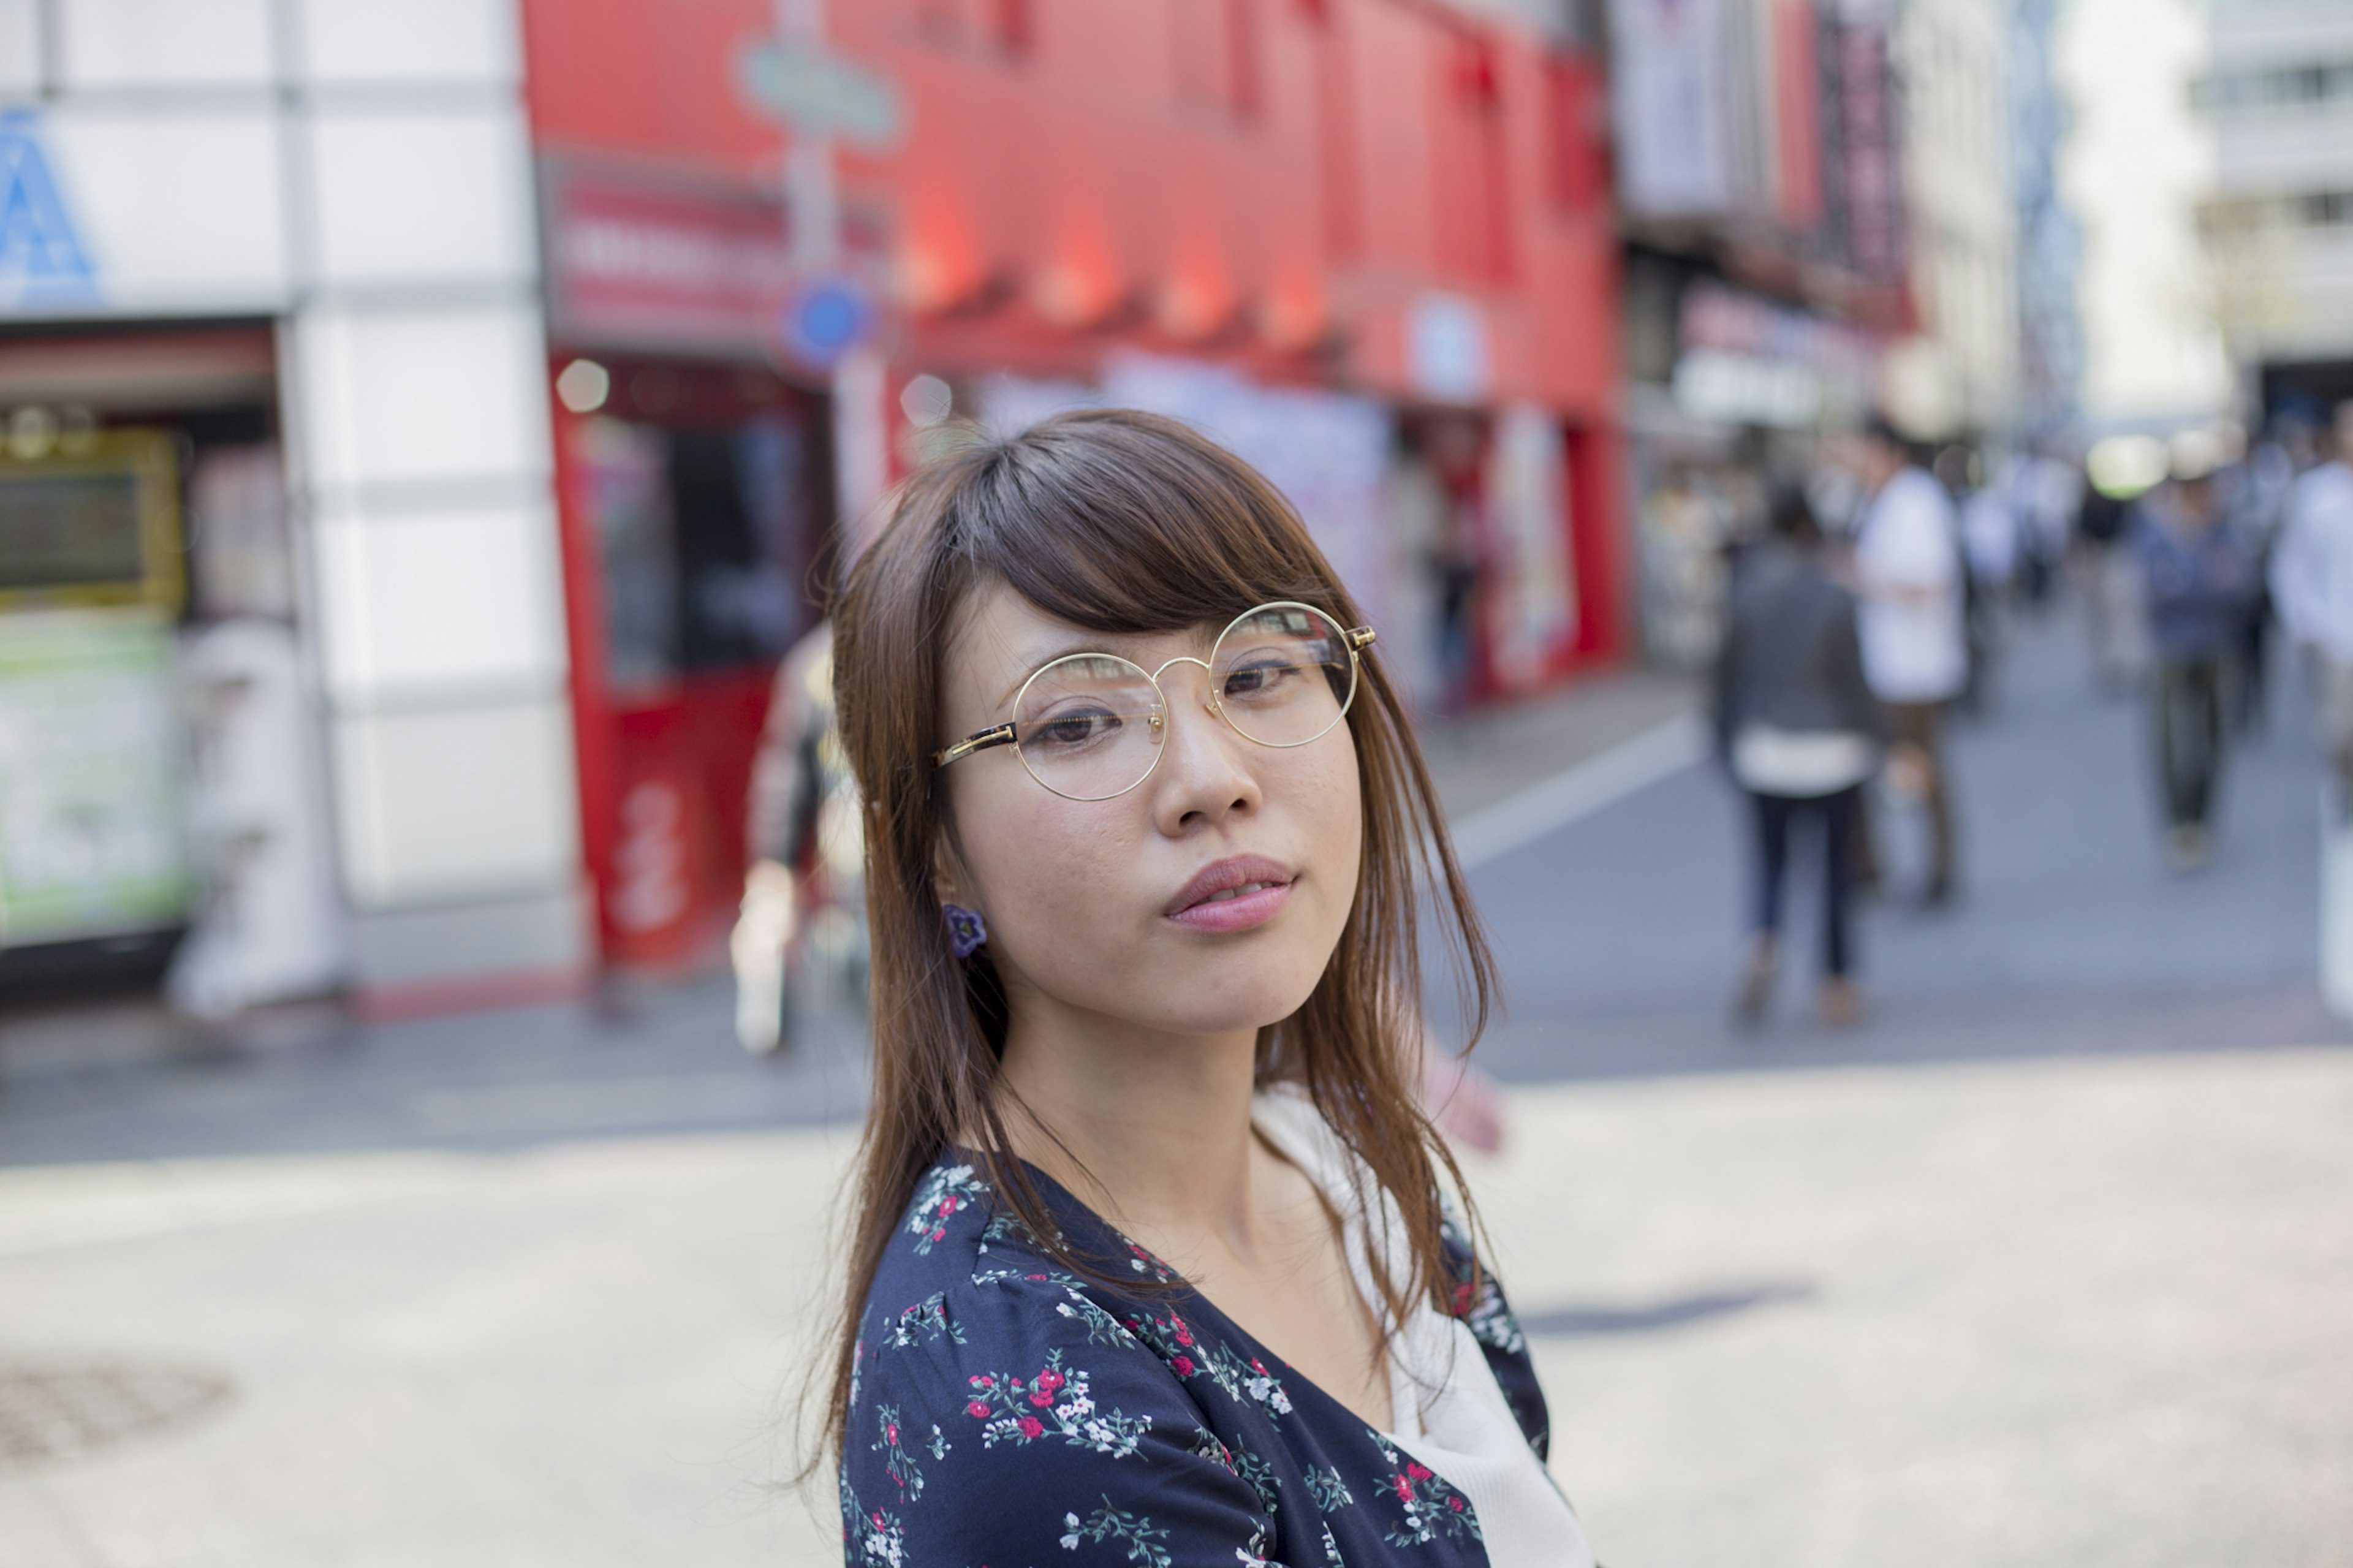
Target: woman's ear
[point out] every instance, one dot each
(947, 878)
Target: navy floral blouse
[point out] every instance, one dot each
(1005, 1414)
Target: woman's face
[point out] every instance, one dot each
(1106, 907)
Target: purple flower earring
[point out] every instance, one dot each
(966, 930)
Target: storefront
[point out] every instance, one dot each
(283, 673)
(697, 502)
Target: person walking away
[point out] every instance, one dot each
(1989, 552)
(2311, 592)
(2044, 493)
(2199, 580)
(2111, 583)
(1800, 732)
(2254, 508)
(1909, 579)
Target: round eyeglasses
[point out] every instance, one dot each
(1089, 726)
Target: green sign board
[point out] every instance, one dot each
(93, 836)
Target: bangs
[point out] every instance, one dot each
(1130, 524)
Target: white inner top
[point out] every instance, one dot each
(1446, 1407)
(1801, 763)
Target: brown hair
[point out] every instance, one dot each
(1120, 523)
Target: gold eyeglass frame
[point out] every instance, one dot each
(1356, 639)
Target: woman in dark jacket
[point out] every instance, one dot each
(1798, 730)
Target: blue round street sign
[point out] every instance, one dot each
(825, 320)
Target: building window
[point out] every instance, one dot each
(2299, 209)
(2279, 87)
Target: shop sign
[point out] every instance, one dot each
(639, 263)
(43, 262)
(1668, 107)
(1749, 361)
(1737, 389)
(819, 93)
(1864, 176)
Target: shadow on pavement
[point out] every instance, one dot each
(1562, 1322)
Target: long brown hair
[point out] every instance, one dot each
(1117, 522)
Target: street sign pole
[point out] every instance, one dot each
(813, 220)
(812, 205)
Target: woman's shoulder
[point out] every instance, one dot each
(968, 1291)
(1001, 1409)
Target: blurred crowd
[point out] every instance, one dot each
(1860, 605)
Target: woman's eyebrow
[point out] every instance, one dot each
(1036, 660)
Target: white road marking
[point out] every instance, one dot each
(1625, 769)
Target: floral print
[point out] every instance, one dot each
(928, 1318)
(1019, 1413)
(1187, 1357)
(1014, 1411)
(1330, 1492)
(1478, 1300)
(896, 1462)
(1137, 1534)
(1430, 1507)
(946, 1189)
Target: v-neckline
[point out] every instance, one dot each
(1200, 1305)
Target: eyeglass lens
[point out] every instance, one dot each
(1090, 726)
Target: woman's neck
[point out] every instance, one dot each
(1152, 1129)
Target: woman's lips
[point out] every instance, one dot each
(1236, 911)
(1233, 895)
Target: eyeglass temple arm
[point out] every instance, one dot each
(1361, 637)
(1002, 735)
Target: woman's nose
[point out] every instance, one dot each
(1203, 774)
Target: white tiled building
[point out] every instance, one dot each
(2276, 98)
(352, 179)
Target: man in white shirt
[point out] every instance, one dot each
(2312, 590)
(1907, 575)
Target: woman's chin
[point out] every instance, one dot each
(1223, 1008)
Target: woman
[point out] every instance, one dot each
(1798, 727)
(1150, 1262)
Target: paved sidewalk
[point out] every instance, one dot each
(2066, 1314)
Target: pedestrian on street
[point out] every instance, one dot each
(1798, 730)
(2200, 579)
(2254, 507)
(2044, 492)
(1149, 1241)
(803, 834)
(2110, 579)
(1989, 534)
(2312, 591)
(1908, 575)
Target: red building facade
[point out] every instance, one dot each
(1373, 236)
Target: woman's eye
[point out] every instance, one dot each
(1073, 729)
(1259, 677)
